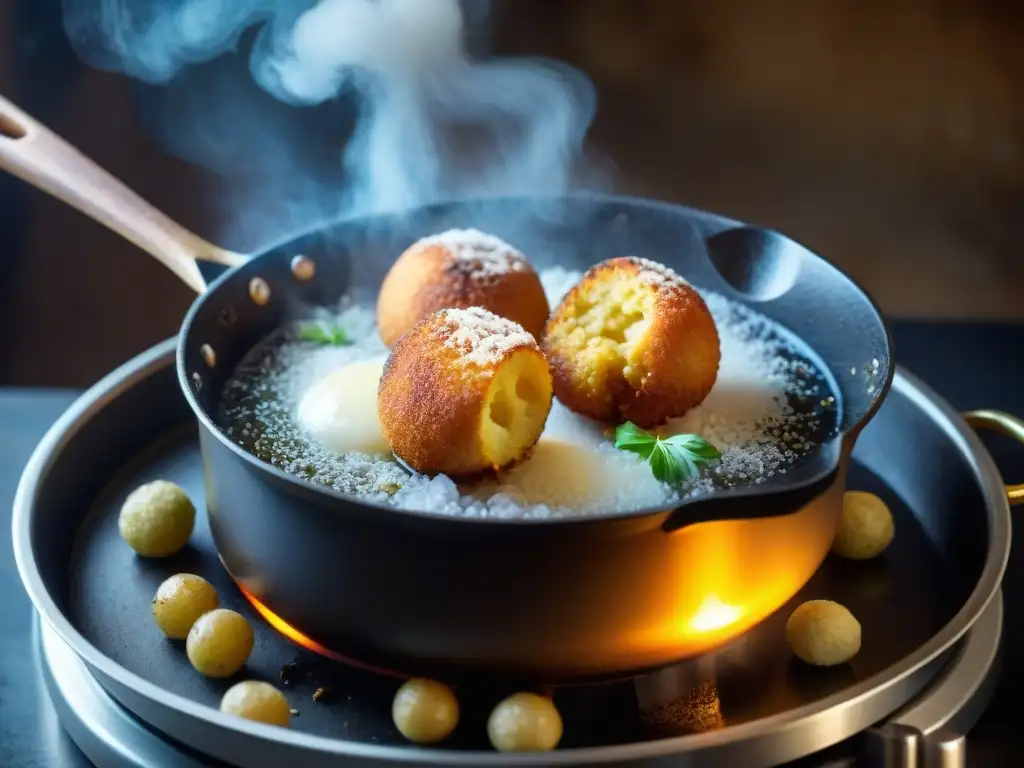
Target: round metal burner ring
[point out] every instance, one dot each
(928, 733)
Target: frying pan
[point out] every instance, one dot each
(550, 599)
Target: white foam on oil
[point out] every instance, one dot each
(575, 469)
(746, 415)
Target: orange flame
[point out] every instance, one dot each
(307, 642)
(747, 571)
(714, 615)
(289, 631)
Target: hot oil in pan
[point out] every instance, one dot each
(772, 404)
(896, 598)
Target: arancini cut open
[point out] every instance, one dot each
(458, 269)
(463, 392)
(632, 341)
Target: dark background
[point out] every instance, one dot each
(886, 135)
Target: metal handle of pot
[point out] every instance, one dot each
(1006, 424)
(38, 156)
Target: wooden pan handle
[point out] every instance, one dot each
(35, 154)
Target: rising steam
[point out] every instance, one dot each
(428, 121)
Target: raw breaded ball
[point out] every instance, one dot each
(463, 392)
(460, 268)
(865, 528)
(180, 601)
(823, 633)
(156, 519)
(632, 341)
(425, 711)
(219, 643)
(255, 700)
(525, 722)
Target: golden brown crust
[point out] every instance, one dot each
(427, 277)
(431, 401)
(674, 361)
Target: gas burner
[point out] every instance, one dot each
(129, 697)
(685, 704)
(926, 733)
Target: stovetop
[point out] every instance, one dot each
(973, 365)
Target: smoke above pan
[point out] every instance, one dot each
(337, 108)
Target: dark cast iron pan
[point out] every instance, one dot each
(548, 599)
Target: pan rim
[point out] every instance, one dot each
(796, 720)
(300, 485)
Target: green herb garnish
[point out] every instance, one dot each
(673, 460)
(324, 333)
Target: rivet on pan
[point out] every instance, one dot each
(259, 291)
(227, 316)
(303, 268)
(209, 356)
(197, 382)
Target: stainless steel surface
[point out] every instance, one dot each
(965, 680)
(106, 733)
(946, 750)
(892, 746)
(773, 740)
(111, 737)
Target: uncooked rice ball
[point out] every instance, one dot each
(865, 528)
(255, 700)
(823, 633)
(180, 601)
(219, 643)
(156, 519)
(425, 711)
(525, 722)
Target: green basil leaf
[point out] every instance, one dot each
(662, 465)
(324, 333)
(674, 460)
(696, 445)
(629, 437)
(685, 462)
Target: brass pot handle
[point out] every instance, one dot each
(1004, 423)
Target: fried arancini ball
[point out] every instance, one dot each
(460, 268)
(632, 341)
(823, 633)
(866, 527)
(463, 392)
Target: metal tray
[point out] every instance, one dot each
(945, 493)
